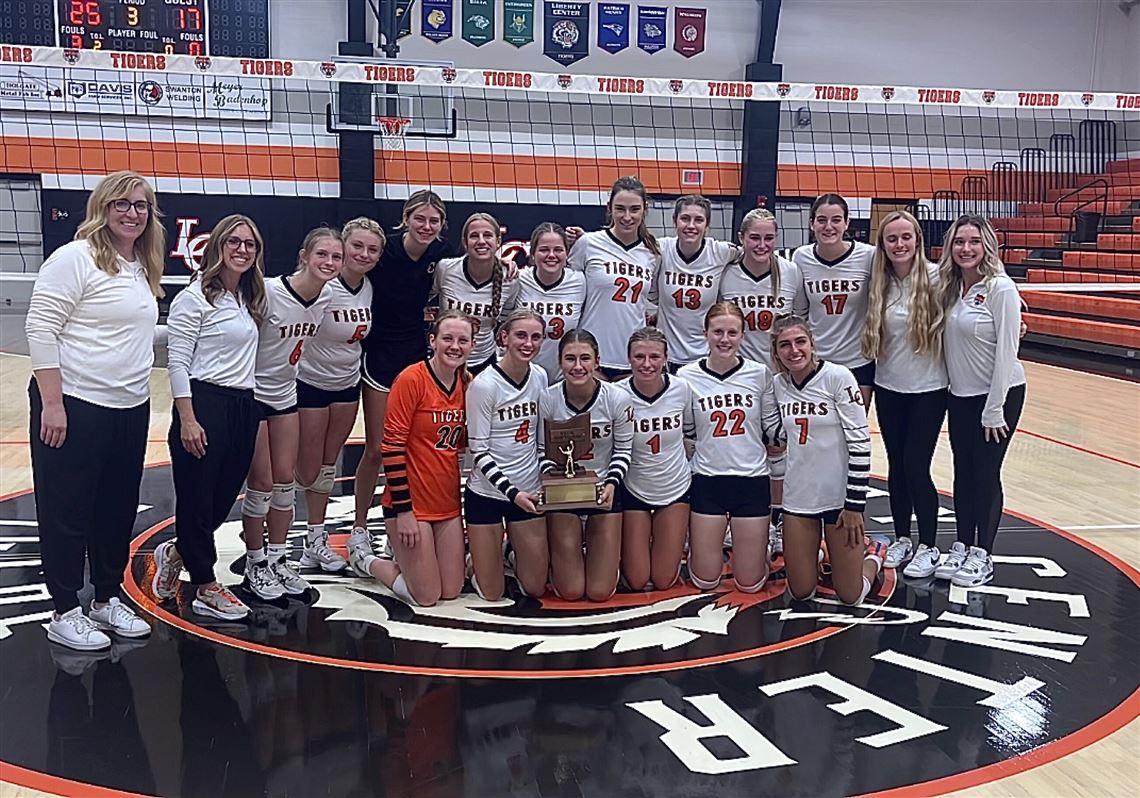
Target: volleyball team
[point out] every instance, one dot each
(726, 387)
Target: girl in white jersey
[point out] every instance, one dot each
(734, 413)
(764, 286)
(476, 285)
(619, 263)
(328, 385)
(503, 430)
(982, 318)
(551, 291)
(901, 334)
(295, 305)
(688, 279)
(835, 275)
(829, 464)
(655, 493)
(212, 349)
(594, 575)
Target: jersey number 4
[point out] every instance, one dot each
(626, 289)
(722, 421)
(834, 303)
(522, 434)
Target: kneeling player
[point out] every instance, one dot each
(829, 462)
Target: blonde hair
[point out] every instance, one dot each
(251, 285)
(924, 315)
(419, 199)
(647, 335)
(753, 217)
(497, 271)
(781, 326)
(950, 276)
(366, 225)
(632, 184)
(150, 247)
(724, 308)
(311, 239)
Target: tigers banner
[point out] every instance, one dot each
(478, 21)
(689, 31)
(518, 22)
(566, 29)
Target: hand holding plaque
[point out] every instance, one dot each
(573, 488)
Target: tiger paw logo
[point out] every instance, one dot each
(328, 69)
(71, 55)
(675, 86)
(988, 97)
(565, 80)
(202, 62)
(449, 74)
(783, 89)
(888, 93)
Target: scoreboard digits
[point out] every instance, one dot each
(238, 28)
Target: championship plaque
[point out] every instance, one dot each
(571, 487)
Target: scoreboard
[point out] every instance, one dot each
(238, 28)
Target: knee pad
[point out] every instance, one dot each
(701, 583)
(256, 503)
(862, 595)
(778, 466)
(756, 588)
(323, 482)
(283, 497)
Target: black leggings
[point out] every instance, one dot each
(910, 423)
(978, 496)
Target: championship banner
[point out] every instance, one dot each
(651, 22)
(613, 27)
(478, 21)
(689, 31)
(403, 18)
(566, 29)
(436, 22)
(518, 22)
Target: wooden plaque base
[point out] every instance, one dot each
(561, 493)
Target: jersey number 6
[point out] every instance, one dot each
(295, 355)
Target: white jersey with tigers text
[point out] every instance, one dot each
(754, 296)
(619, 280)
(290, 325)
(458, 290)
(560, 305)
(837, 294)
(659, 470)
(503, 430)
(686, 289)
(733, 415)
(331, 361)
(898, 367)
(829, 445)
(611, 428)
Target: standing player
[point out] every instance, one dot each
(424, 430)
(611, 424)
(764, 286)
(829, 464)
(734, 413)
(503, 430)
(619, 263)
(212, 345)
(295, 305)
(688, 279)
(474, 285)
(551, 291)
(655, 493)
(835, 275)
(328, 385)
(401, 284)
(901, 334)
(982, 316)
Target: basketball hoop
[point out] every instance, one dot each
(392, 131)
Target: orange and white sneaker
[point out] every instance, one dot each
(218, 602)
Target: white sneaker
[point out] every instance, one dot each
(167, 569)
(287, 576)
(898, 553)
(955, 558)
(218, 602)
(923, 563)
(319, 555)
(360, 541)
(75, 630)
(977, 570)
(261, 580)
(117, 617)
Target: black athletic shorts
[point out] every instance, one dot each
(631, 502)
(477, 368)
(739, 497)
(865, 374)
(829, 517)
(613, 375)
(383, 364)
(481, 510)
(265, 411)
(310, 396)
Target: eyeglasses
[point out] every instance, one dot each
(122, 206)
(233, 242)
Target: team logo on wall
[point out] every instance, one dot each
(449, 74)
(202, 62)
(328, 69)
(690, 33)
(989, 96)
(71, 55)
(783, 89)
(675, 86)
(565, 80)
(150, 92)
(888, 93)
(1086, 99)
(565, 33)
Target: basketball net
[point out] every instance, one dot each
(392, 130)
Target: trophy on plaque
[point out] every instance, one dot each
(572, 487)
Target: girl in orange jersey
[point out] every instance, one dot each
(424, 429)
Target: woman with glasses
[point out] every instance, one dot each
(212, 347)
(90, 328)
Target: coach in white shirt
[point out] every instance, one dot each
(90, 330)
